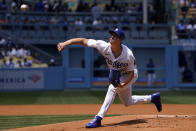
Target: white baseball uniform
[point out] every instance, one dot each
(125, 62)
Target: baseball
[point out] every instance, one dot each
(24, 7)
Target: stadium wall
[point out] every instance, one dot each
(31, 79)
(67, 77)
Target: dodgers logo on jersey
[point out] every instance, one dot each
(116, 64)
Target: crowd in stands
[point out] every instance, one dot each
(155, 11)
(16, 56)
(63, 6)
(186, 26)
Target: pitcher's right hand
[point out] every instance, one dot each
(60, 46)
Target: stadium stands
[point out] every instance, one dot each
(42, 28)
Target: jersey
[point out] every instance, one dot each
(125, 62)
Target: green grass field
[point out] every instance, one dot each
(86, 97)
(10, 122)
(71, 97)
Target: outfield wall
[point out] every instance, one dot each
(78, 71)
(31, 79)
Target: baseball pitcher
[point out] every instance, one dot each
(123, 72)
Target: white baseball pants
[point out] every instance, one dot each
(125, 95)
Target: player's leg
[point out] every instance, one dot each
(109, 99)
(125, 93)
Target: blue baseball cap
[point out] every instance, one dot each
(118, 32)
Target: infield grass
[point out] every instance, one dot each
(10, 122)
(71, 97)
(86, 97)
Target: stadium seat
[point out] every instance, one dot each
(143, 34)
(135, 34)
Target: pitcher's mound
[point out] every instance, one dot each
(126, 123)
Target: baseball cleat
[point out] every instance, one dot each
(96, 122)
(156, 99)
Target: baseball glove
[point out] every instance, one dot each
(114, 77)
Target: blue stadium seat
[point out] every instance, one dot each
(152, 34)
(134, 34)
(162, 34)
(143, 34)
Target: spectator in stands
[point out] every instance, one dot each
(11, 63)
(27, 63)
(9, 42)
(193, 19)
(96, 11)
(20, 52)
(78, 21)
(9, 50)
(8, 18)
(52, 62)
(182, 2)
(114, 21)
(1, 55)
(46, 6)
(4, 65)
(181, 30)
(80, 6)
(64, 21)
(97, 21)
(36, 58)
(3, 52)
(151, 14)
(57, 6)
(185, 7)
(18, 64)
(2, 42)
(14, 6)
(3, 5)
(39, 6)
(132, 8)
(13, 52)
(192, 4)
(150, 72)
(55, 19)
(190, 30)
(182, 63)
(26, 52)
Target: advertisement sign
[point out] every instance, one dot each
(19, 79)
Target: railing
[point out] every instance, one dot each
(53, 33)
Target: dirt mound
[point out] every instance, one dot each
(126, 123)
(142, 117)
